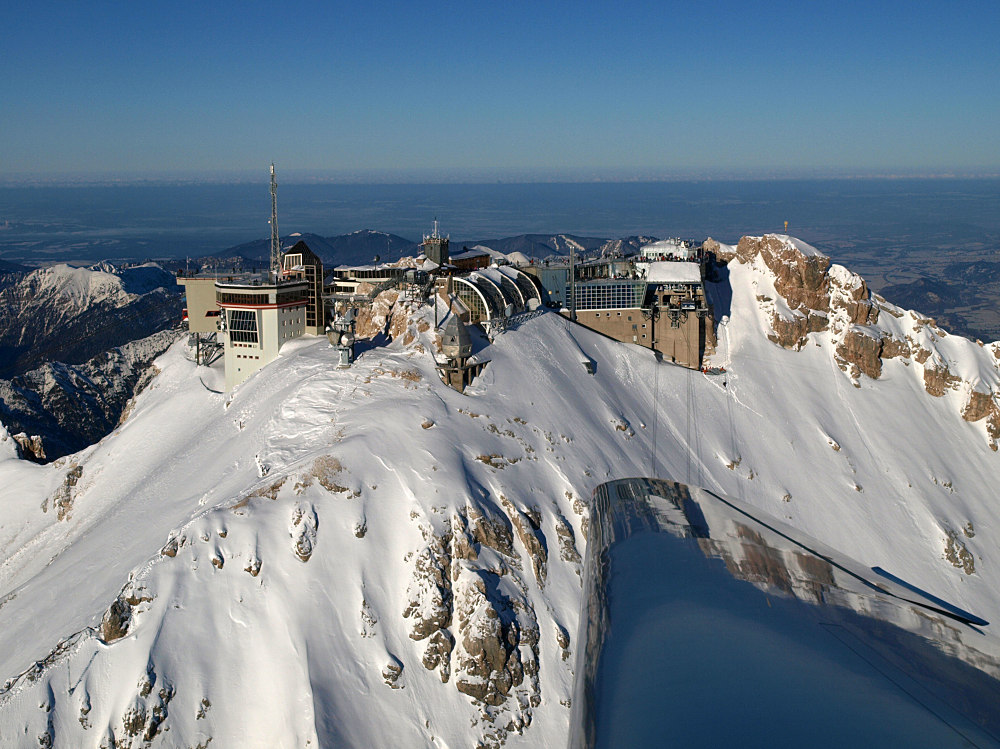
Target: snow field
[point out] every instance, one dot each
(300, 505)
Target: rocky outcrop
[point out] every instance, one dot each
(430, 603)
(983, 406)
(30, 447)
(468, 602)
(374, 319)
(860, 352)
(800, 278)
(938, 378)
(63, 498)
(816, 296)
(488, 655)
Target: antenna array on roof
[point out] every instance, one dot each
(275, 242)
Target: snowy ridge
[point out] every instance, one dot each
(366, 557)
(67, 314)
(59, 408)
(802, 298)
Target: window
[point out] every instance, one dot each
(233, 298)
(608, 294)
(243, 325)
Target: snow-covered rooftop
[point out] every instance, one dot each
(474, 252)
(674, 272)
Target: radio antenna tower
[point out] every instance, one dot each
(275, 242)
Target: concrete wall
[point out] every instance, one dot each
(683, 344)
(200, 294)
(275, 327)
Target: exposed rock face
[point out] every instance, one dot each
(959, 556)
(800, 279)
(861, 351)
(468, 601)
(488, 662)
(938, 378)
(430, 603)
(390, 314)
(30, 447)
(816, 296)
(984, 406)
(374, 319)
(116, 620)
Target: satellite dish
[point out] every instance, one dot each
(349, 315)
(508, 310)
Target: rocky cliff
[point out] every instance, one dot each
(800, 292)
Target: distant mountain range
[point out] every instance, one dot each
(354, 248)
(70, 314)
(364, 246)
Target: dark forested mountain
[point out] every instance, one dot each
(61, 408)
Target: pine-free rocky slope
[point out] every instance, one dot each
(366, 557)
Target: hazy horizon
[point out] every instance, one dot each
(480, 176)
(633, 90)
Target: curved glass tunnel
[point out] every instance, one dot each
(708, 623)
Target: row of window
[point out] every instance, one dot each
(287, 297)
(608, 295)
(243, 325)
(225, 297)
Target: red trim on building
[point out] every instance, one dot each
(229, 305)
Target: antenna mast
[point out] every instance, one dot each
(275, 242)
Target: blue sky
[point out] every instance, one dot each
(598, 88)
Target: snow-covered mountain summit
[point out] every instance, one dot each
(366, 557)
(67, 314)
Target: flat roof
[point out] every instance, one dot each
(469, 254)
(667, 271)
(258, 285)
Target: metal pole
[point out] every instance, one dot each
(572, 283)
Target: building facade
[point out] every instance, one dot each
(257, 318)
(435, 247)
(666, 310)
(302, 264)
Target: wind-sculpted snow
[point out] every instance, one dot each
(70, 314)
(366, 557)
